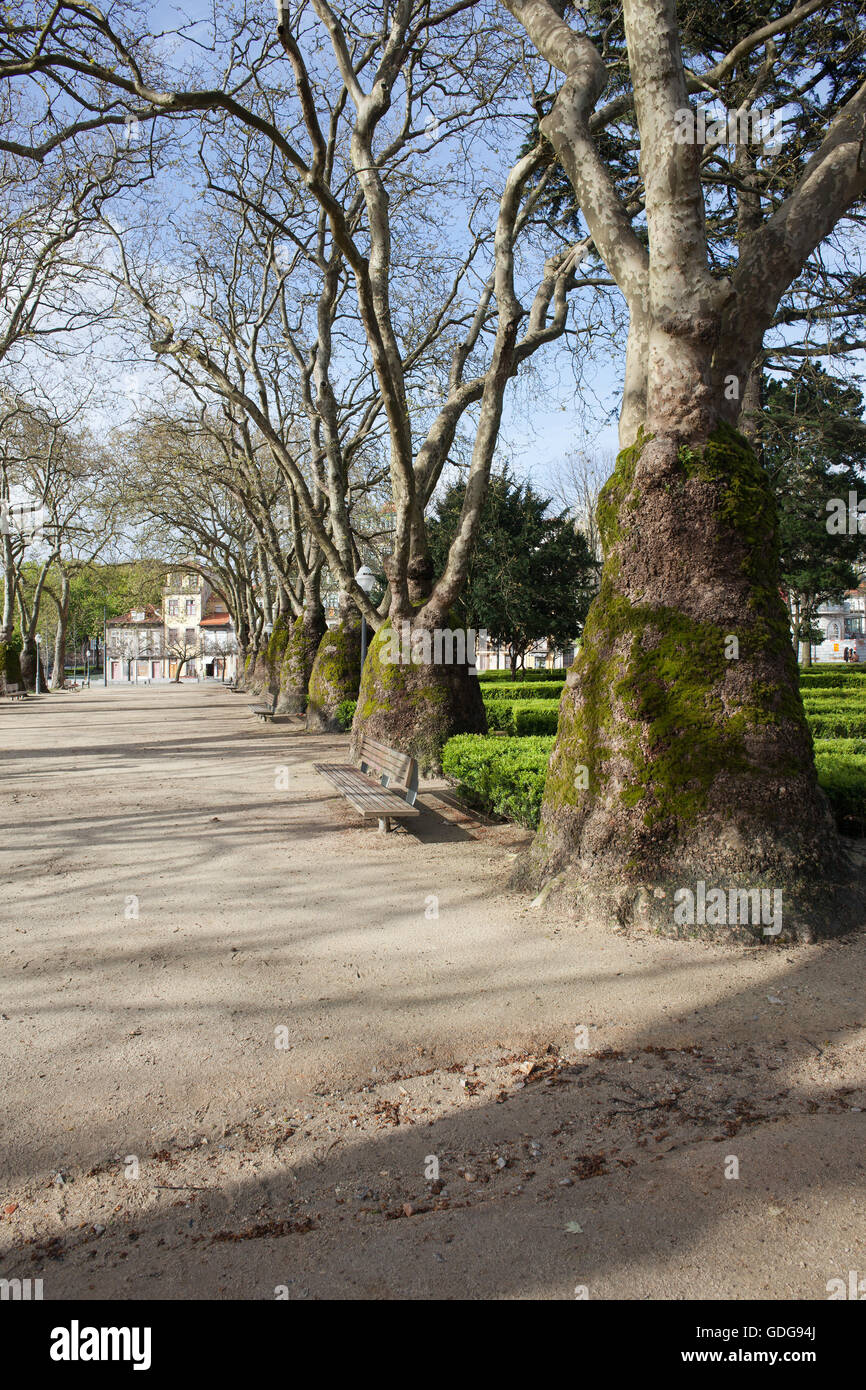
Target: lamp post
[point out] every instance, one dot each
(366, 580)
(38, 658)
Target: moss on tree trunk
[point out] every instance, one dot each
(335, 676)
(683, 754)
(297, 664)
(415, 706)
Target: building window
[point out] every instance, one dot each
(172, 608)
(832, 630)
(189, 637)
(173, 636)
(190, 607)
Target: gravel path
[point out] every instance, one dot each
(249, 1045)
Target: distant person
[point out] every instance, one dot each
(845, 654)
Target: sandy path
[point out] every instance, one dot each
(178, 884)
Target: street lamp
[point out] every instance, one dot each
(366, 580)
(38, 658)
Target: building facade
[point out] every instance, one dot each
(842, 623)
(192, 635)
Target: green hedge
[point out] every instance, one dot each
(10, 659)
(536, 717)
(506, 776)
(832, 679)
(837, 723)
(502, 775)
(555, 673)
(522, 716)
(843, 747)
(537, 690)
(843, 777)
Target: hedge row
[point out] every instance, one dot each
(554, 673)
(522, 716)
(837, 723)
(501, 775)
(852, 676)
(506, 776)
(538, 690)
(843, 777)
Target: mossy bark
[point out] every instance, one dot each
(29, 660)
(335, 676)
(683, 753)
(297, 665)
(415, 706)
(10, 665)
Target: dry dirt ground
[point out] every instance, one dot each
(251, 1049)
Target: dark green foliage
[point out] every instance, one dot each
(531, 575)
(843, 777)
(346, 713)
(10, 659)
(812, 442)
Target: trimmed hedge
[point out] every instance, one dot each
(555, 673)
(833, 679)
(537, 690)
(843, 777)
(501, 775)
(837, 723)
(522, 716)
(536, 717)
(843, 747)
(506, 776)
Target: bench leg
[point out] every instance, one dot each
(384, 824)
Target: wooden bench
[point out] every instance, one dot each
(265, 712)
(384, 784)
(15, 692)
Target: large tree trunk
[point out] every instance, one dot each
(297, 667)
(335, 675)
(416, 705)
(683, 756)
(29, 662)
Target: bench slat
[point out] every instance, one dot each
(369, 800)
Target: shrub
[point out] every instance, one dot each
(500, 715)
(345, 713)
(10, 659)
(832, 679)
(843, 777)
(505, 776)
(841, 746)
(535, 690)
(536, 717)
(837, 723)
